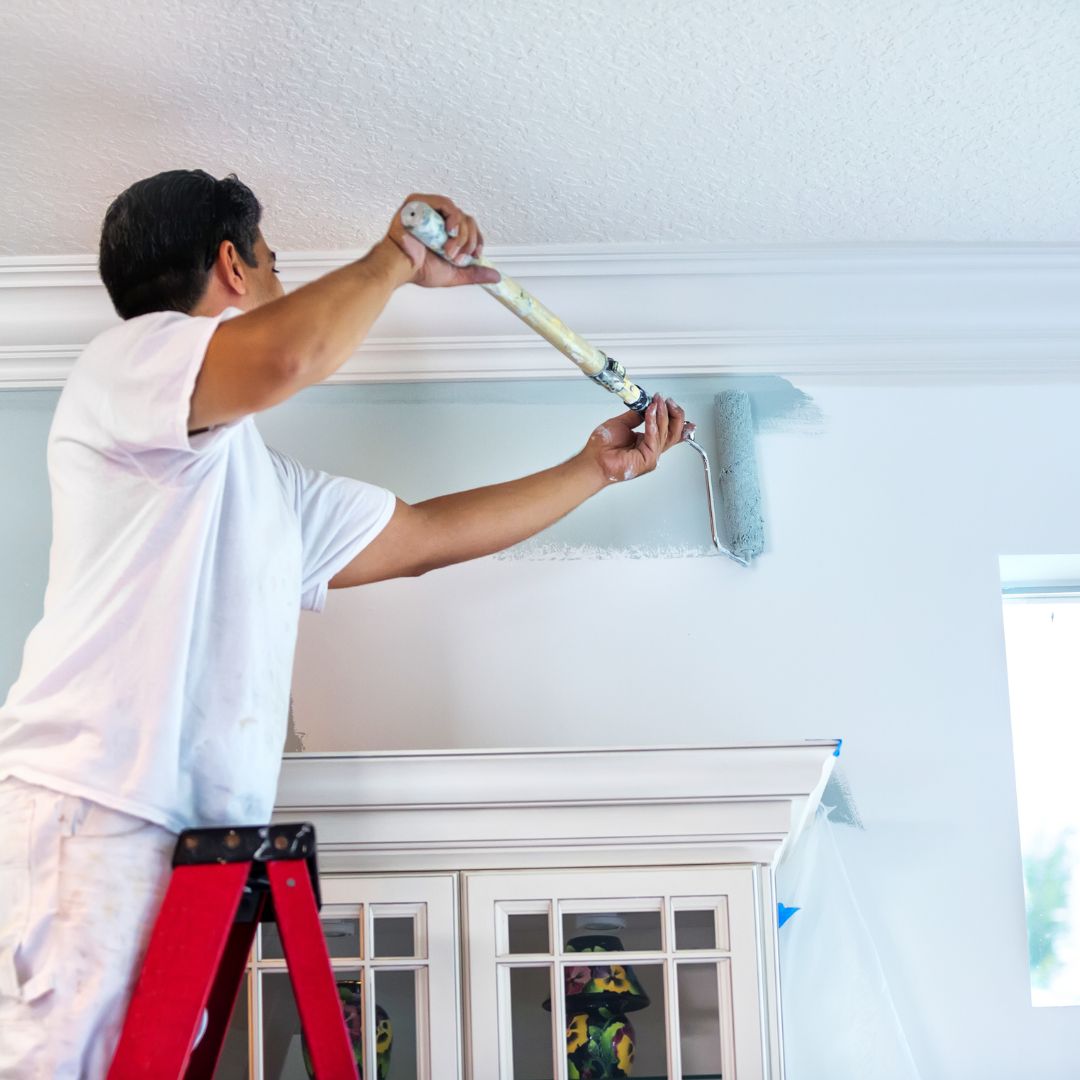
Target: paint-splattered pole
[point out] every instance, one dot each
(427, 225)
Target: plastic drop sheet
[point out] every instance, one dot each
(839, 1019)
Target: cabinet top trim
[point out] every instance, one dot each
(554, 777)
(519, 753)
(409, 804)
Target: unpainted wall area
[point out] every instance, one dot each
(873, 616)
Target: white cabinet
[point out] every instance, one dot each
(504, 915)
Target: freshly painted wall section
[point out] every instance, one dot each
(422, 441)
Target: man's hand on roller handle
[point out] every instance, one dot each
(619, 450)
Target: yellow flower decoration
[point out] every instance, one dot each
(618, 983)
(384, 1035)
(624, 1053)
(577, 1033)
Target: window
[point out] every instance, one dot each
(1041, 612)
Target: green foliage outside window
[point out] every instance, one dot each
(1046, 881)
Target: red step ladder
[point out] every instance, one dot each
(224, 883)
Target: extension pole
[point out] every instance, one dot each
(428, 226)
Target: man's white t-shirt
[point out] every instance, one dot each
(157, 681)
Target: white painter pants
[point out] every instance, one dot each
(80, 886)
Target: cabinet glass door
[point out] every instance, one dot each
(393, 946)
(604, 974)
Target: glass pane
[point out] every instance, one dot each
(600, 931)
(283, 1046)
(529, 933)
(233, 1063)
(395, 935)
(530, 1021)
(699, 1019)
(1042, 638)
(342, 933)
(395, 1024)
(695, 929)
(615, 1020)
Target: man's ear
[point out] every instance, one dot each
(230, 268)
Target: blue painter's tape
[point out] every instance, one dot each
(783, 913)
(839, 743)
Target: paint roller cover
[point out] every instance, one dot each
(737, 472)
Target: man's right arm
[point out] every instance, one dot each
(264, 356)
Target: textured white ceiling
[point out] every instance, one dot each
(587, 121)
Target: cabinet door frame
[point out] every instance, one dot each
(745, 1014)
(438, 981)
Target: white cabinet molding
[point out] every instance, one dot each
(450, 810)
(972, 312)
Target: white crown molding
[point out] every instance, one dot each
(487, 809)
(973, 312)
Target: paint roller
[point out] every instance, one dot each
(737, 474)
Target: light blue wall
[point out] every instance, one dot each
(25, 416)
(874, 616)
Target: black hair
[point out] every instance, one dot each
(161, 236)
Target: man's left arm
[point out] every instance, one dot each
(469, 524)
